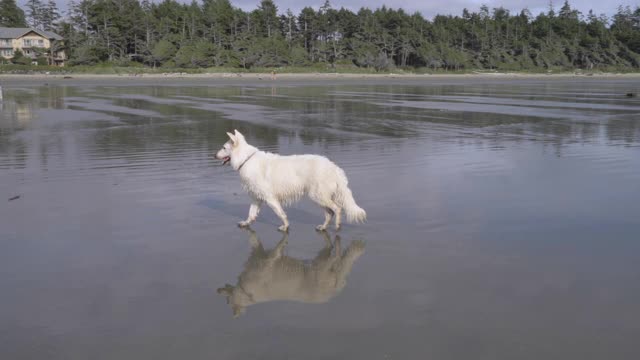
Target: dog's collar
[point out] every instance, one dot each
(247, 159)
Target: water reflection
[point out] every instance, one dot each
(270, 275)
(321, 115)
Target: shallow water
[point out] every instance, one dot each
(503, 221)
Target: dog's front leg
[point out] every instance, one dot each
(275, 206)
(254, 210)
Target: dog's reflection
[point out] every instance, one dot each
(269, 275)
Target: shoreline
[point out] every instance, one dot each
(304, 79)
(320, 76)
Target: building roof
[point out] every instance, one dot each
(14, 33)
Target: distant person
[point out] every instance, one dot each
(273, 74)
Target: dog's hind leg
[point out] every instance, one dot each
(330, 207)
(338, 212)
(254, 210)
(328, 214)
(277, 208)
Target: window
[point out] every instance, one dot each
(5, 42)
(27, 42)
(6, 52)
(40, 43)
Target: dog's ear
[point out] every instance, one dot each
(239, 136)
(232, 137)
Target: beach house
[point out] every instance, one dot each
(33, 43)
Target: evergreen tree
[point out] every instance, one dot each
(49, 16)
(35, 13)
(219, 21)
(267, 15)
(216, 33)
(11, 15)
(626, 27)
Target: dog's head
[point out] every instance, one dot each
(237, 299)
(231, 147)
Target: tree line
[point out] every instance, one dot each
(215, 33)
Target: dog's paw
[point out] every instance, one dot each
(283, 228)
(321, 228)
(244, 224)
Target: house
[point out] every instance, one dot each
(32, 42)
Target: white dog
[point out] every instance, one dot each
(276, 180)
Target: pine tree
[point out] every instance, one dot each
(216, 33)
(50, 16)
(36, 12)
(268, 17)
(11, 15)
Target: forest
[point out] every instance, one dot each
(215, 33)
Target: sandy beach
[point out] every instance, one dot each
(299, 79)
(311, 76)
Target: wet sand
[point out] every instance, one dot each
(502, 220)
(12, 78)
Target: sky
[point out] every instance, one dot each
(429, 8)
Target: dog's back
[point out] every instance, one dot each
(290, 177)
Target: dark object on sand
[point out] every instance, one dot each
(67, 77)
(14, 198)
(631, 95)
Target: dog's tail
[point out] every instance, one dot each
(354, 213)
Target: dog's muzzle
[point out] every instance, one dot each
(220, 156)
